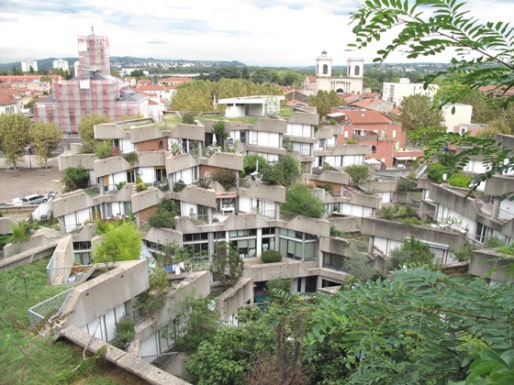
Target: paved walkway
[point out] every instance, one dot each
(26, 180)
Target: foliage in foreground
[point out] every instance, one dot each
(29, 358)
(482, 56)
(413, 327)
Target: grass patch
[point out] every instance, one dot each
(27, 358)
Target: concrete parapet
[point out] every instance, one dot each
(121, 359)
(492, 265)
(234, 298)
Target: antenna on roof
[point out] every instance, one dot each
(92, 30)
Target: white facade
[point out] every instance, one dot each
(76, 219)
(27, 64)
(352, 84)
(455, 114)
(395, 92)
(10, 108)
(252, 106)
(60, 64)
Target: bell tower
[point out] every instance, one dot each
(323, 65)
(355, 68)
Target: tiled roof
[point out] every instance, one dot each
(366, 116)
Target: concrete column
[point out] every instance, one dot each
(258, 243)
(209, 215)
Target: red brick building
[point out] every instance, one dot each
(386, 137)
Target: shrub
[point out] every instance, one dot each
(459, 180)
(406, 184)
(131, 157)
(124, 333)
(334, 232)
(271, 256)
(463, 253)
(435, 172)
(301, 200)
(358, 172)
(164, 214)
(103, 150)
(250, 163)
(20, 232)
(188, 118)
(493, 243)
(412, 252)
(226, 178)
(75, 178)
(179, 186)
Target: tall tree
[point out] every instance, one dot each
(219, 130)
(429, 27)
(14, 136)
(44, 137)
(227, 264)
(417, 111)
(324, 101)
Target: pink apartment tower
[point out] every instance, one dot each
(92, 91)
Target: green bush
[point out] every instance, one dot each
(20, 232)
(358, 172)
(493, 243)
(179, 186)
(164, 214)
(435, 172)
(271, 256)
(463, 253)
(131, 157)
(226, 178)
(411, 253)
(75, 178)
(459, 180)
(188, 118)
(406, 184)
(103, 150)
(301, 200)
(124, 333)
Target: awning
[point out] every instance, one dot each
(372, 161)
(402, 158)
(226, 195)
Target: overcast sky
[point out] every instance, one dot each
(255, 32)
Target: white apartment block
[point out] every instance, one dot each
(26, 64)
(455, 114)
(396, 92)
(60, 64)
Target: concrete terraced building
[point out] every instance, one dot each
(92, 91)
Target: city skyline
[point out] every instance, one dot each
(261, 33)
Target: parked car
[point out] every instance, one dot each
(33, 199)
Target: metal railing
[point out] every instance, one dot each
(66, 275)
(49, 309)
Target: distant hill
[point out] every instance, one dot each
(127, 61)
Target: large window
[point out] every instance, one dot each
(245, 242)
(333, 261)
(297, 245)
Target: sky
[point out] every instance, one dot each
(255, 32)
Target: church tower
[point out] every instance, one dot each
(355, 68)
(323, 71)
